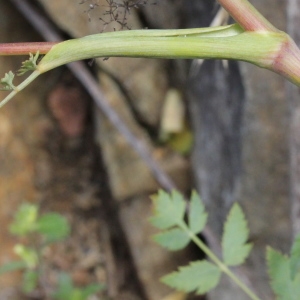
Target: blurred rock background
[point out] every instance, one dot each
(58, 150)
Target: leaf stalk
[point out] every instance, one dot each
(247, 15)
(25, 48)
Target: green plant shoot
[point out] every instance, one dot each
(40, 231)
(256, 42)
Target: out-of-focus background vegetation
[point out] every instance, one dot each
(57, 149)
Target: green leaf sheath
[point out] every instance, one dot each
(236, 233)
(267, 49)
(258, 48)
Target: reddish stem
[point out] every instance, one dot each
(246, 15)
(25, 48)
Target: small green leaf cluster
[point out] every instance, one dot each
(284, 272)
(30, 64)
(169, 217)
(203, 275)
(41, 231)
(66, 289)
(52, 227)
(7, 82)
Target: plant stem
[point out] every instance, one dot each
(247, 16)
(20, 87)
(275, 51)
(25, 48)
(264, 49)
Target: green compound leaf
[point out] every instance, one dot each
(197, 216)
(168, 209)
(53, 226)
(24, 220)
(295, 257)
(29, 65)
(173, 239)
(200, 276)
(7, 81)
(280, 276)
(30, 281)
(236, 233)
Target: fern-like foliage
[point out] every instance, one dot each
(203, 275)
(29, 65)
(7, 81)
